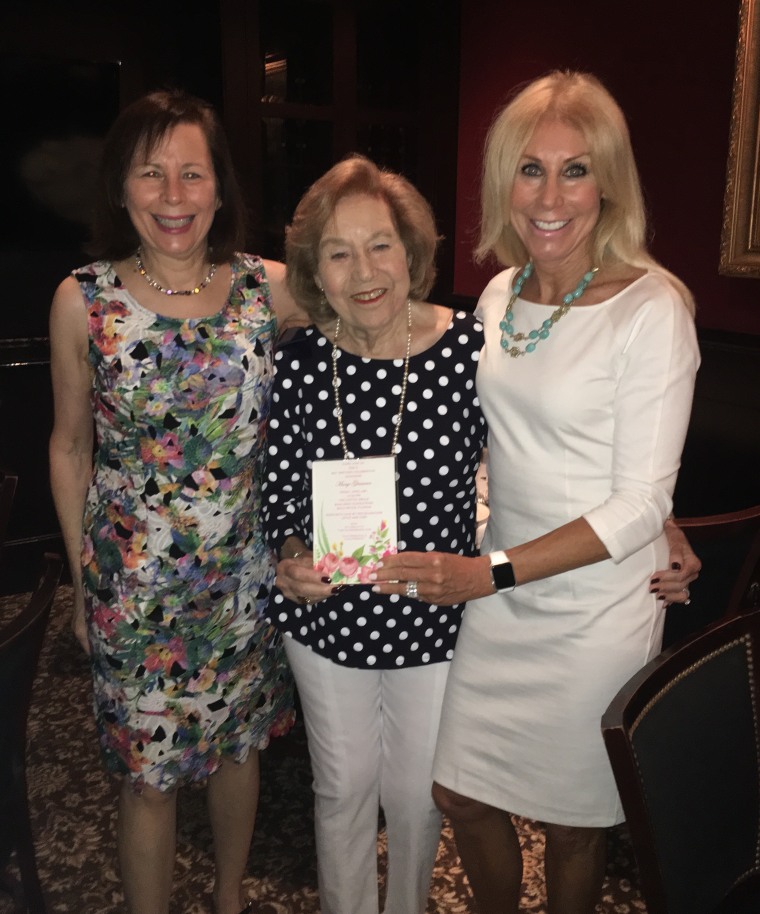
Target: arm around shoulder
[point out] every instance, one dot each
(287, 311)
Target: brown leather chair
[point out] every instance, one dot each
(683, 739)
(20, 645)
(728, 546)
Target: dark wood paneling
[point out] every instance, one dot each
(26, 416)
(211, 48)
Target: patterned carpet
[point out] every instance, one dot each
(74, 804)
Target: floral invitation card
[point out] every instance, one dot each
(355, 516)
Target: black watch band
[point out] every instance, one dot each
(502, 573)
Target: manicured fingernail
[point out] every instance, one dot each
(375, 588)
(655, 581)
(326, 580)
(373, 576)
(661, 597)
(676, 566)
(333, 590)
(654, 590)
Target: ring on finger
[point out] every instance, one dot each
(411, 589)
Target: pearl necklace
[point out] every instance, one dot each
(541, 333)
(152, 282)
(349, 455)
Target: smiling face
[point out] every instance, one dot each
(555, 200)
(362, 266)
(171, 194)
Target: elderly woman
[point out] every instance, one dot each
(586, 381)
(381, 372)
(166, 342)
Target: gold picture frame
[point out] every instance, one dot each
(740, 237)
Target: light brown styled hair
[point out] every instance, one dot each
(411, 213)
(581, 101)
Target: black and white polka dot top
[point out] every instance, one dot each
(442, 436)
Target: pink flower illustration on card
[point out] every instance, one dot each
(357, 566)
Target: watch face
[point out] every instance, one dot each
(503, 576)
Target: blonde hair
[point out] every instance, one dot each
(582, 102)
(411, 213)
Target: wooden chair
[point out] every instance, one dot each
(728, 546)
(20, 644)
(683, 739)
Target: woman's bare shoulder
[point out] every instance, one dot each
(68, 298)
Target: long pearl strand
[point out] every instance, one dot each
(349, 455)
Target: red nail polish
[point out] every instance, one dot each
(655, 581)
(676, 566)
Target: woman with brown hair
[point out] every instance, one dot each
(166, 340)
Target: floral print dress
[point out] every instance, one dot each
(176, 571)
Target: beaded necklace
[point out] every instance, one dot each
(508, 334)
(349, 455)
(152, 282)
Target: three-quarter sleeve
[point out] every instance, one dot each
(656, 371)
(286, 502)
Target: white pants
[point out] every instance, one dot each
(372, 736)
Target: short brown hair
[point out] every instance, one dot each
(141, 126)
(412, 217)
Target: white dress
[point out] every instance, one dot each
(590, 424)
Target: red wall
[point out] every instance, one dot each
(670, 65)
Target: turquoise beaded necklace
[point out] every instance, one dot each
(533, 337)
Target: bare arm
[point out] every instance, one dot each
(660, 358)
(447, 579)
(287, 311)
(72, 437)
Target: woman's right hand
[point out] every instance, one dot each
(79, 624)
(298, 580)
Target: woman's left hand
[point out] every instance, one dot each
(672, 584)
(434, 577)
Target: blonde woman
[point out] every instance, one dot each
(586, 381)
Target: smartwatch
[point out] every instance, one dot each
(502, 573)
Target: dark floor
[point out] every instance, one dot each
(73, 808)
